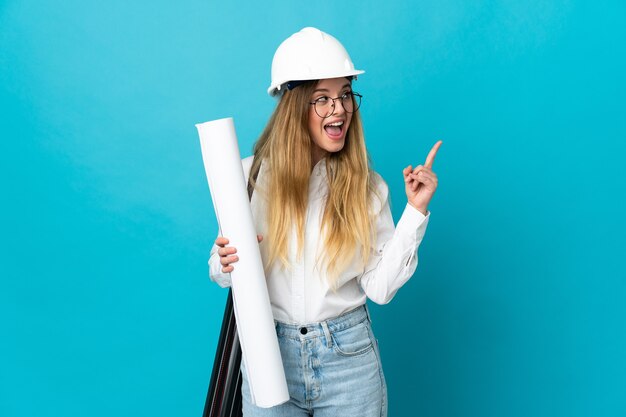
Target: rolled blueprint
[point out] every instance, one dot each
(253, 313)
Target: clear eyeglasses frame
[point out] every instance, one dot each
(325, 106)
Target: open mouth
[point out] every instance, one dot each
(334, 130)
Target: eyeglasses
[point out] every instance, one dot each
(325, 106)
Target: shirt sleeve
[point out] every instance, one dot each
(393, 260)
(215, 267)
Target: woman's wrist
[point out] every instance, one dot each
(423, 210)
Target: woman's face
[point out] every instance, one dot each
(329, 134)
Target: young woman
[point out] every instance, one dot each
(327, 236)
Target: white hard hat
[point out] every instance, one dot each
(309, 55)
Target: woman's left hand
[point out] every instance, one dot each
(421, 182)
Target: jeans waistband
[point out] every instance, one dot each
(319, 329)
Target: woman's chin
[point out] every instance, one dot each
(335, 146)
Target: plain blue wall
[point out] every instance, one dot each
(518, 305)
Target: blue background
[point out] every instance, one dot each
(518, 305)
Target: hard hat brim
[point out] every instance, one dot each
(280, 86)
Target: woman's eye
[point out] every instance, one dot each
(346, 95)
(322, 100)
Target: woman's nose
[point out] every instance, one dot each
(338, 106)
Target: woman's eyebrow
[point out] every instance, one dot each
(326, 90)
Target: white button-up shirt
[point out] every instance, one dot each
(301, 294)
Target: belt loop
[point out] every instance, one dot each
(329, 340)
(367, 313)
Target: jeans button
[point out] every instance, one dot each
(303, 330)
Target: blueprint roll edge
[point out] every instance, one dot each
(253, 312)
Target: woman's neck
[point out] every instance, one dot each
(317, 154)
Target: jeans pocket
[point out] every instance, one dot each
(352, 341)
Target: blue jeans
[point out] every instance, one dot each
(333, 369)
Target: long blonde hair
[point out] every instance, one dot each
(284, 147)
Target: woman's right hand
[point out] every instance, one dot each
(227, 253)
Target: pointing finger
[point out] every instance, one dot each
(431, 155)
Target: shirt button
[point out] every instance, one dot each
(303, 330)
